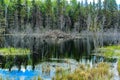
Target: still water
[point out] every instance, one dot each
(46, 55)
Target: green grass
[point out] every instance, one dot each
(109, 51)
(14, 51)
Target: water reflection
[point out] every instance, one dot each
(47, 55)
(47, 69)
(17, 75)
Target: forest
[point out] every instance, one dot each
(58, 14)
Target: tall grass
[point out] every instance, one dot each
(100, 72)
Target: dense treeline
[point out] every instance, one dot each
(18, 15)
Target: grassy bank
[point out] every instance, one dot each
(14, 51)
(109, 51)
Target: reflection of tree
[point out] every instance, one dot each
(33, 53)
(45, 49)
(9, 62)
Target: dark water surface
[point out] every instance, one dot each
(47, 53)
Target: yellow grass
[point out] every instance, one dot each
(100, 72)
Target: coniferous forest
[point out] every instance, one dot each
(58, 14)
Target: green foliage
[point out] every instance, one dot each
(110, 5)
(57, 13)
(14, 51)
(109, 51)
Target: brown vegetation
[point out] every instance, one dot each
(100, 72)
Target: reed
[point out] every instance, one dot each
(100, 72)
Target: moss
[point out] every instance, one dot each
(14, 51)
(109, 51)
(100, 72)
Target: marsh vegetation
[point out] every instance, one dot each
(14, 51)
(109, 51)
(59, 40)
(98, 72)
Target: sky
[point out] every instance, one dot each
(118, 1)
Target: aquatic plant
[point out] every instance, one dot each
(100, 72)
(39, 78)
(109, 51)
(59, 69)
(30, 61)
(14, 51)
(81, 66)
(118, 66)
(46, 69)
(0, 78)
